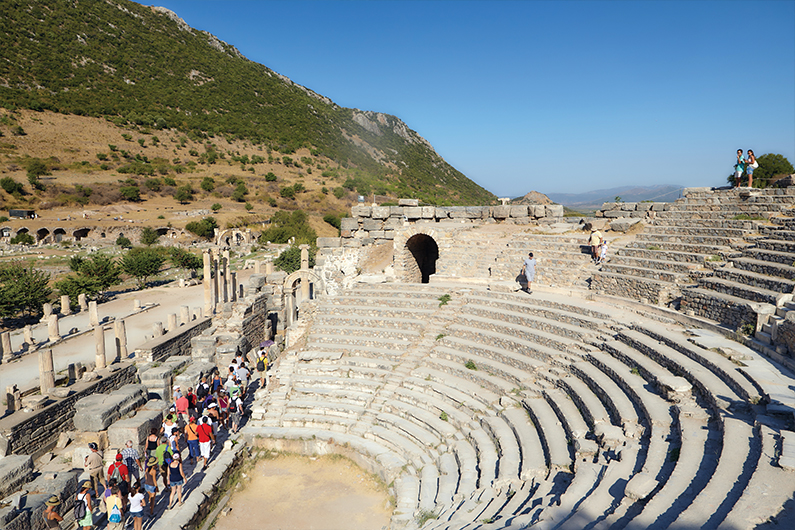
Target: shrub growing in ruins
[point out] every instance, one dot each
(204, 228)
(184, 259)
(286, 225)
(22, 238)
(23, 289)
(93, 277)
(149, 236)
(123, 242)
(290, 260)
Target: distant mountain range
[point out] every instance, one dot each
(592, 200)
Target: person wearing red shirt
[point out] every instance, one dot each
(206, 438)
(123, 473)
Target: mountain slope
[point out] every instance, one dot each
(145, 66)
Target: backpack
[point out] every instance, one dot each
(115, 514)
(261, 364)
(201, 392)
(232, 407)
(116, 473)
(79, 509)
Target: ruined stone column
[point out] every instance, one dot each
(172, 322)
(216, 285)
(27, 333)
(13, 398)
(233, 286)
(99, 339)
(226, 275)
(47, 308)
(136, 305)
(198, 313)
(46, 371)
(93, 314)
(72, 371)
(269, 267)
(304, 257)
(257, 267)
(52, 328)
(184, 315)
(120, 328)
(66, 305)
(305, 291)
(7, 349)
(157, 329)
(209, 303)
(82, 302)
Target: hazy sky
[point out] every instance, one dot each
(563, 96)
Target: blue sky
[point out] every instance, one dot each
(564, 96)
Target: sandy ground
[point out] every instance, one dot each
(297, 492)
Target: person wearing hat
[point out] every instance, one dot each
(595, 240)
(94, 467)
(150, 482)
(192, 436)
(262, 367)
(51, 515)
(118, 470)
(85, 495)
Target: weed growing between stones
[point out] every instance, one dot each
(443, 416)
(746, 217)
(470, 365)
(635, 370)
(747, 329)
(440, 336)
(424, 516)
(714, 257)
(444, 299)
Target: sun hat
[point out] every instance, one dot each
(86, 484)
(152, 461)
(53, 501)
(192, 418)
(93, 445)
(119, 457)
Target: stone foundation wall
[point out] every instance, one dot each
(32, 433)
(727, 313)
(632, 287)
(176, 342)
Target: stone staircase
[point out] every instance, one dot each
(482, 254)
(685, 243)
(489, 410)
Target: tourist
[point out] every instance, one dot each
(151, 443)
(216, 382)
(118, 472)
(182, 404)
(162, 453)
(84, 495)
(176, 478)
(206, 438)
(115, 509)
(223, 407)
(750, 166)
(137, 504)
(595, 240)
(168, 427)
(602, 252)
(94, 466)
(51, 516)
(177, 393)
(235, 412)
(243, 374)
(215, 416)
(132, 460)
(739, 167)
(192, 436)
(529, 272)
(150, 482)
(191, 402)
(202, 390)
(262, 367)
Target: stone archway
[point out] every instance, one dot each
(299, 286)
(81, 233)
(424, 252)
(58, 234)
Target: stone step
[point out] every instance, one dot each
(354, 299)
(530, 308)
(779, 245)
(615, 267)
(711, 387)
(402, 444)
(681, 267)
(572, 420)
(664, 381)
(702, 230)
(419, 433)
(495, 383)
(665, 239)
(721, 366)
(509, 364)
(515, 323)
(593, 410)
(457, 414)
(736, 224)
(754, 279)
(620, 406)
(635, 288)
(664, 255)
(533, 463)
(318, 421)
(487, 454)
(693, 436)
(509, 462)
(670, 246)
(468, 465)
(528, 337)
(713, 502)
(711, 215)
(326, 407)
(763, 267)
(357, 330)
(551, 433)
(739, 290)
(465, 392)
(726, 309)
(552, 302)
(775, 256)
(336, 383)
(778, 233)
(586, 479)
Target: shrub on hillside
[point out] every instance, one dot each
(290, 259)
(204, 228)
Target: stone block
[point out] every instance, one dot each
(554, 210)
(15, 470)
(393, 223)
(477, 212)
(610, 206)
(537, 210)
(408, 202)
(395, 211)
(367, 241)
(637, 214)
(428, 212)
(345, 234)
(360, 211)
(501, 212)
(622, 224)
(329, 242)
(380, 212)
(257, 281)
(442, 212)
(413, 212)
(519, 211)
(352, 243)
(628, 206)
(372, 224)
(613, 214)
(377, 234)
(659, 206)
(389, 234)
(193, 373)
(277, 277)
(640, 486)
(643, 206)
(136, 428)
(349, 223)
(98, 411)
(458, 212)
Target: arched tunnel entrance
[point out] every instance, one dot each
(425, 252)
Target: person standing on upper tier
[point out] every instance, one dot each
(739, 167)
(750, 165)
(529, 271)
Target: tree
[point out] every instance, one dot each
(184, 194)
(240, 192)
(22, 238)
(10, 185)
(215, 207)
(208, 184)
(771, 166)
(249, 206)
(130, 193)
(290, 259)
(285, 225)
(149, 236)
(204, 228)
(23, 289)
(184, 259)
(93, 276)
(142, 263)
(123, 242)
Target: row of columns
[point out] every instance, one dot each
(185, 317)
(220, 281)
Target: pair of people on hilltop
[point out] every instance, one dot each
(745, 165)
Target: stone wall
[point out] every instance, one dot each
(34, 432)
(727, 313)
(176, 342)
(614, 210)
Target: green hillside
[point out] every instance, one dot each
(143, 66)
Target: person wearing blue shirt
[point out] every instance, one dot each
(739, 167)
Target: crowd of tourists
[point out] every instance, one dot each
(131, 483)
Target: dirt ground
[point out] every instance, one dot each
(307, 493)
